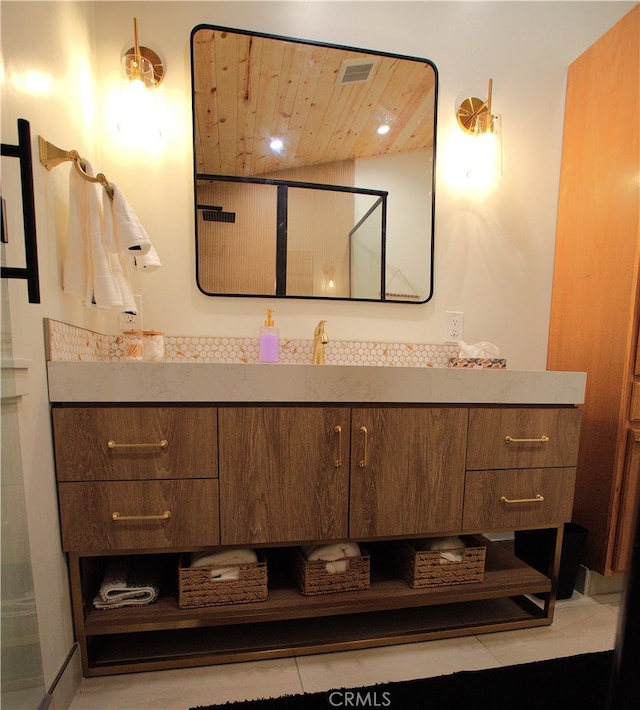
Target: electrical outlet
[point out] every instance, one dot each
(129, 321)
(454, 322)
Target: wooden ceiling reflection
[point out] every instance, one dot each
(248, 90)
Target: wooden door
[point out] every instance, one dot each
(284, 474)
(407, 470)
(594, 308)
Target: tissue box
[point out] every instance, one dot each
(493, 363)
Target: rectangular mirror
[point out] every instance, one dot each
(314, 169)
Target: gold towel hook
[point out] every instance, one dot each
(51, 156)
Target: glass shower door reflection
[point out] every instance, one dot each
(22, 684)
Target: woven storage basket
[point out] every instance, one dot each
(428, 569)
(313, 578)
(196, 587)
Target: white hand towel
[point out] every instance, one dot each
(127, 302)
(76, 269)
(146, 262)
(130, 234)
(88, 268)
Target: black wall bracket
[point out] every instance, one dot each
(22, 151)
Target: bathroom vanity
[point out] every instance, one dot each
(275, 456)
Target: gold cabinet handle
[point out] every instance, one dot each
(537, 499)
(338, 430)
(365, 453)
(540, 440)
(163, 443)
(163, 516)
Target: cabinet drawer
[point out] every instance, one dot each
(509, 498)
(135, 443)
(522, 438)
(87, 514)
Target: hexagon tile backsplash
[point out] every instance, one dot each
(68, 343)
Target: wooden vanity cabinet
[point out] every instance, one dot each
(296, 474)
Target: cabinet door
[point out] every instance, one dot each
(134, 443)
(284, 474)
(407, 470)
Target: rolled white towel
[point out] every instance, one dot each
(449, 547)
(225, 573)
(335, 555)
(235, 556)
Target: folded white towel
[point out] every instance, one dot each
(127, 583)
(87, 271)
(130, 234)
(92, 268)
(101, 236)
(449, 547)
(146, 262)
(236, 556)
(336, 555)
(118, 256)
(76, 269)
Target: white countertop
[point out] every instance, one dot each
(158, 382)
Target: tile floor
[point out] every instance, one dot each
(582, 624)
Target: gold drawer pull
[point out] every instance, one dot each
(338, 430)
(365, 454)
(114, 445)
(541, 440)
(163, 516)
(537, 499)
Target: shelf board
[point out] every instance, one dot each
(130, 653)
(505, 576)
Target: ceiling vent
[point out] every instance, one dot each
(356, 71)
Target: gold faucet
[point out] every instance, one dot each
(320, 339)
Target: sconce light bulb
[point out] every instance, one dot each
(486, 156)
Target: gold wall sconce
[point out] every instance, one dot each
(142, 71)
(142, 64)
(477, 118)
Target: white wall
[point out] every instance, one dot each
(494, 253)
